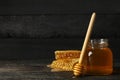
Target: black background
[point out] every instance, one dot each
(15, 7)
(34, 29)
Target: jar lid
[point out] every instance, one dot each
(99, 42)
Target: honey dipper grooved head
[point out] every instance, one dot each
(79, 69)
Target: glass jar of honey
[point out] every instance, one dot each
(99, 57)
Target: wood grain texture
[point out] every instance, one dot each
(58, 26)
(37, 70)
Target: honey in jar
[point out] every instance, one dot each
(99, 57)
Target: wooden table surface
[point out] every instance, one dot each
(37, 70)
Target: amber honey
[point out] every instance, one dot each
(99, 58)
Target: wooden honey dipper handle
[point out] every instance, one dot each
(79, 68)
(87, 37)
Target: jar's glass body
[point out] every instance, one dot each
(99, 57)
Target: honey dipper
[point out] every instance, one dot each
(79, 68)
